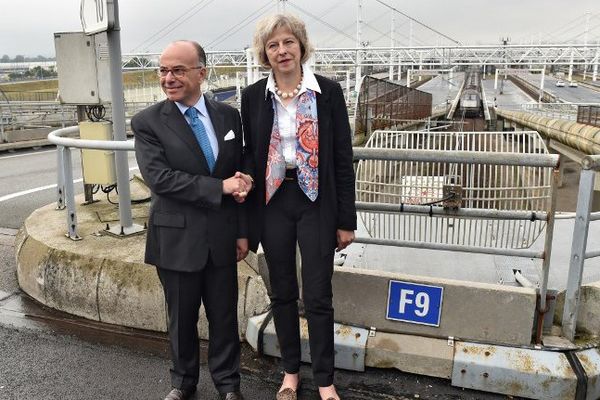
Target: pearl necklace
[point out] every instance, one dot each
(285, 95)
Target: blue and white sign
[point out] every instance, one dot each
(415, 303)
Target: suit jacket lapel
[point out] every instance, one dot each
(265, 126)
(174, 120)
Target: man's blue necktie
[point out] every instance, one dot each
(201, 136)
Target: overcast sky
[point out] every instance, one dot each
(27, 26)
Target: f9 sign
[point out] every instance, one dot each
(414, 303)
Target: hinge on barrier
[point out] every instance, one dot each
(372, 331)
(451, 341)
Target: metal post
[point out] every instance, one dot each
(571, 67)
(399, 68)
(249, 72)
(2, 140)
(358, 70)
(578, 248)
(369, 122)
(118, 116)
(585, 42)
(60, 186)
(238, 88)
(348, 87)
(496, 80)
(547, 254)
(391, 73)
(541, 96)
(62, 116)
(408, 77)
(70, 195)
(596, 58)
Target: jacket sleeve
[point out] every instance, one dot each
(343, 158)
(248, 157)
(163, 180)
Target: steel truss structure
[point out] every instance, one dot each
(434, 56)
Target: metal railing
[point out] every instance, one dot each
(383, 104)
(65, 192)
(589, 115)
(551, 110)
(579, 252)
(507, 181)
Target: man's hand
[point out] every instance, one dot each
(240, 196)
(344, 238)
(233, 185)
(242, 249)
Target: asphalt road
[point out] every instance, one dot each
(28, 181)
(579, 94)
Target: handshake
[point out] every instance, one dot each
(238, 186)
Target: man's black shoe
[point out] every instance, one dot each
(180, 394)
(232, 396)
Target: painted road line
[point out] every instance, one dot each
(39, 189)
(28, 154)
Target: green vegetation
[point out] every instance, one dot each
(30, 87)
(51, 85)
(21, 58)
(33, 73)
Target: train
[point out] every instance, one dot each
(470, 104)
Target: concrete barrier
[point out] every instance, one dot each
(470, 310)
(588, 316)
(21, 135)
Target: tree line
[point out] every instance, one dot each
(33, 73)
(21, 58)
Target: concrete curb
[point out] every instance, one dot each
(103, 278)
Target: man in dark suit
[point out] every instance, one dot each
(189, 150)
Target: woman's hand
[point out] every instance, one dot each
(344, 238)
(242, 249)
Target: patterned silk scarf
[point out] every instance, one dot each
(307, 149)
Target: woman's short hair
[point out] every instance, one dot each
(268, 25)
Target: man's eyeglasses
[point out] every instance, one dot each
(178, 72)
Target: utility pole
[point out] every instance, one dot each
(358, 73)
(505, 43)
(392, 47)
(595, 70)
(585, 42)
(571, 66)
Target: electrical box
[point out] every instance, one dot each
(98, 165)
(82, 63)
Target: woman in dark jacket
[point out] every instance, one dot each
(299, 154)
